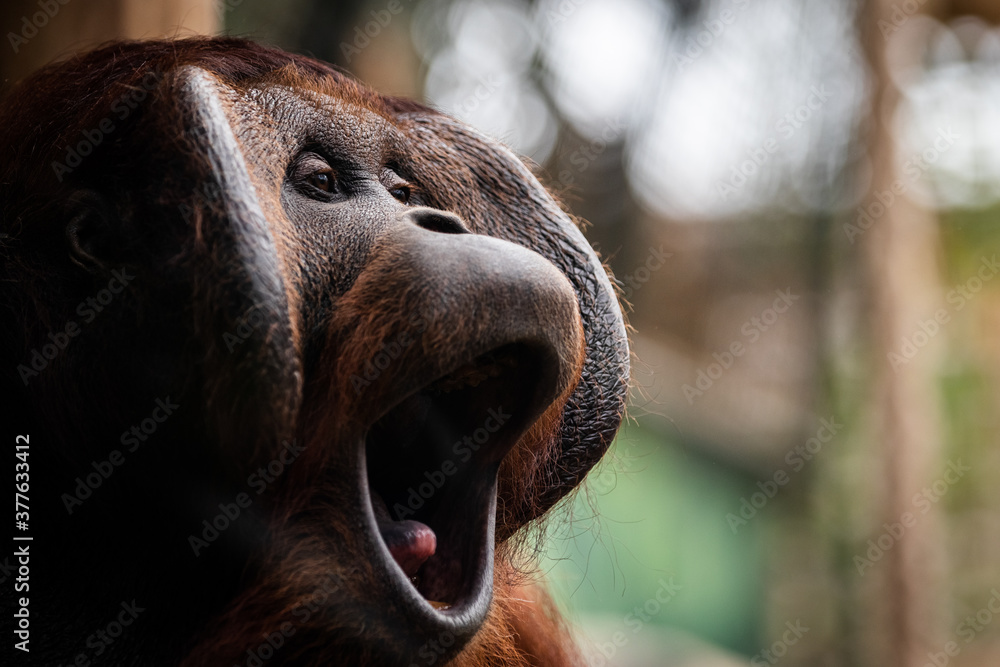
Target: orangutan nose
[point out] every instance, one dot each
(434, 220)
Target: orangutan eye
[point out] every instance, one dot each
(402, 193)
(401, 189)
(324, 180)
(314, 177)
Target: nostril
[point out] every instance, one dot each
(438, 221)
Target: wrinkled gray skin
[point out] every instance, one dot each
(208, 202)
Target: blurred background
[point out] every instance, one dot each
(799, 200)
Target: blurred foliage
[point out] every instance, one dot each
(657, 512)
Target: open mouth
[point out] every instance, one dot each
(431, 473)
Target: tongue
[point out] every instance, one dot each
(411, 543)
